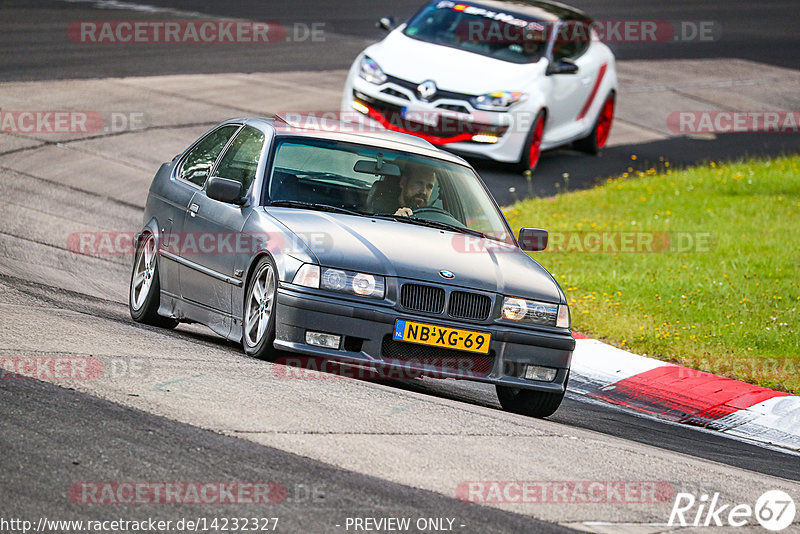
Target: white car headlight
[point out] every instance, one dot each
(371, 71)
(341, 281)
(498, 100)
(535, 312)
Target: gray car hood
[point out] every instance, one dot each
(394, 248)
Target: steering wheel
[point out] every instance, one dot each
(437, 214)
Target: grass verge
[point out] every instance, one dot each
(700, 267)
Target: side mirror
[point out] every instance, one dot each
(386, 23)
(562, 66)
(224, 190)
(533, 239)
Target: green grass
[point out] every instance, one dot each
(731, 308)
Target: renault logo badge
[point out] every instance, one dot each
(446, 274)
(426, 89)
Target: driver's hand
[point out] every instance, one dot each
(404, 212)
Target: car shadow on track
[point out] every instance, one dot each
(575, 411)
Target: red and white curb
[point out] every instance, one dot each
(684, 395)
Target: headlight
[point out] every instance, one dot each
(498, 100)
(534, 312)
(371, 71)
(349, 282)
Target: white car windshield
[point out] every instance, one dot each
(337, 176)
(489, 32)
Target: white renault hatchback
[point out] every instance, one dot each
(497, 79)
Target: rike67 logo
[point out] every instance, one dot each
(774, 510)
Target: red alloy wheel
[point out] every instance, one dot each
(535, 148)
(604, 122)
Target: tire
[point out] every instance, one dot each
(144, 295)
(258, 310)
(597, 138)
(532, 149)
(529, 402)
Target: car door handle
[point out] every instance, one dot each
(193, 209)
(587, 80)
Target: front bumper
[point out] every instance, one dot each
(366, 331)
(437, 122)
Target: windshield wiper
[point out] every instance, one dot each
(318, 207)
(434, 224)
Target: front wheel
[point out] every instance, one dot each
(597, 138)
(260, 298)
(532, 150)
(145, 290)
(529, 402)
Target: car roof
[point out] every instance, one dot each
(536, 9)
(338, 131)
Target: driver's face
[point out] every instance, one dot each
(415, 191)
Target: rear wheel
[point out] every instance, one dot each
(259, 310)
(529, 402)
(532, 149)
(597, 138)
(145, 291)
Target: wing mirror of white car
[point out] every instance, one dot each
(224, 190)
(562, 66)
(387, 23)
(533, 239)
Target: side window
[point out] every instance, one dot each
(240, 161)
(572, 40)
(201, 158)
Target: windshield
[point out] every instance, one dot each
(321, 174)
(493, 33)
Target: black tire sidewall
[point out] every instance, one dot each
(530, 402)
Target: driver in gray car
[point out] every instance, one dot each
(416, 186)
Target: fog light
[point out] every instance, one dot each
(361, 108)
(485, 138)
(542, 374)
(329, 341)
